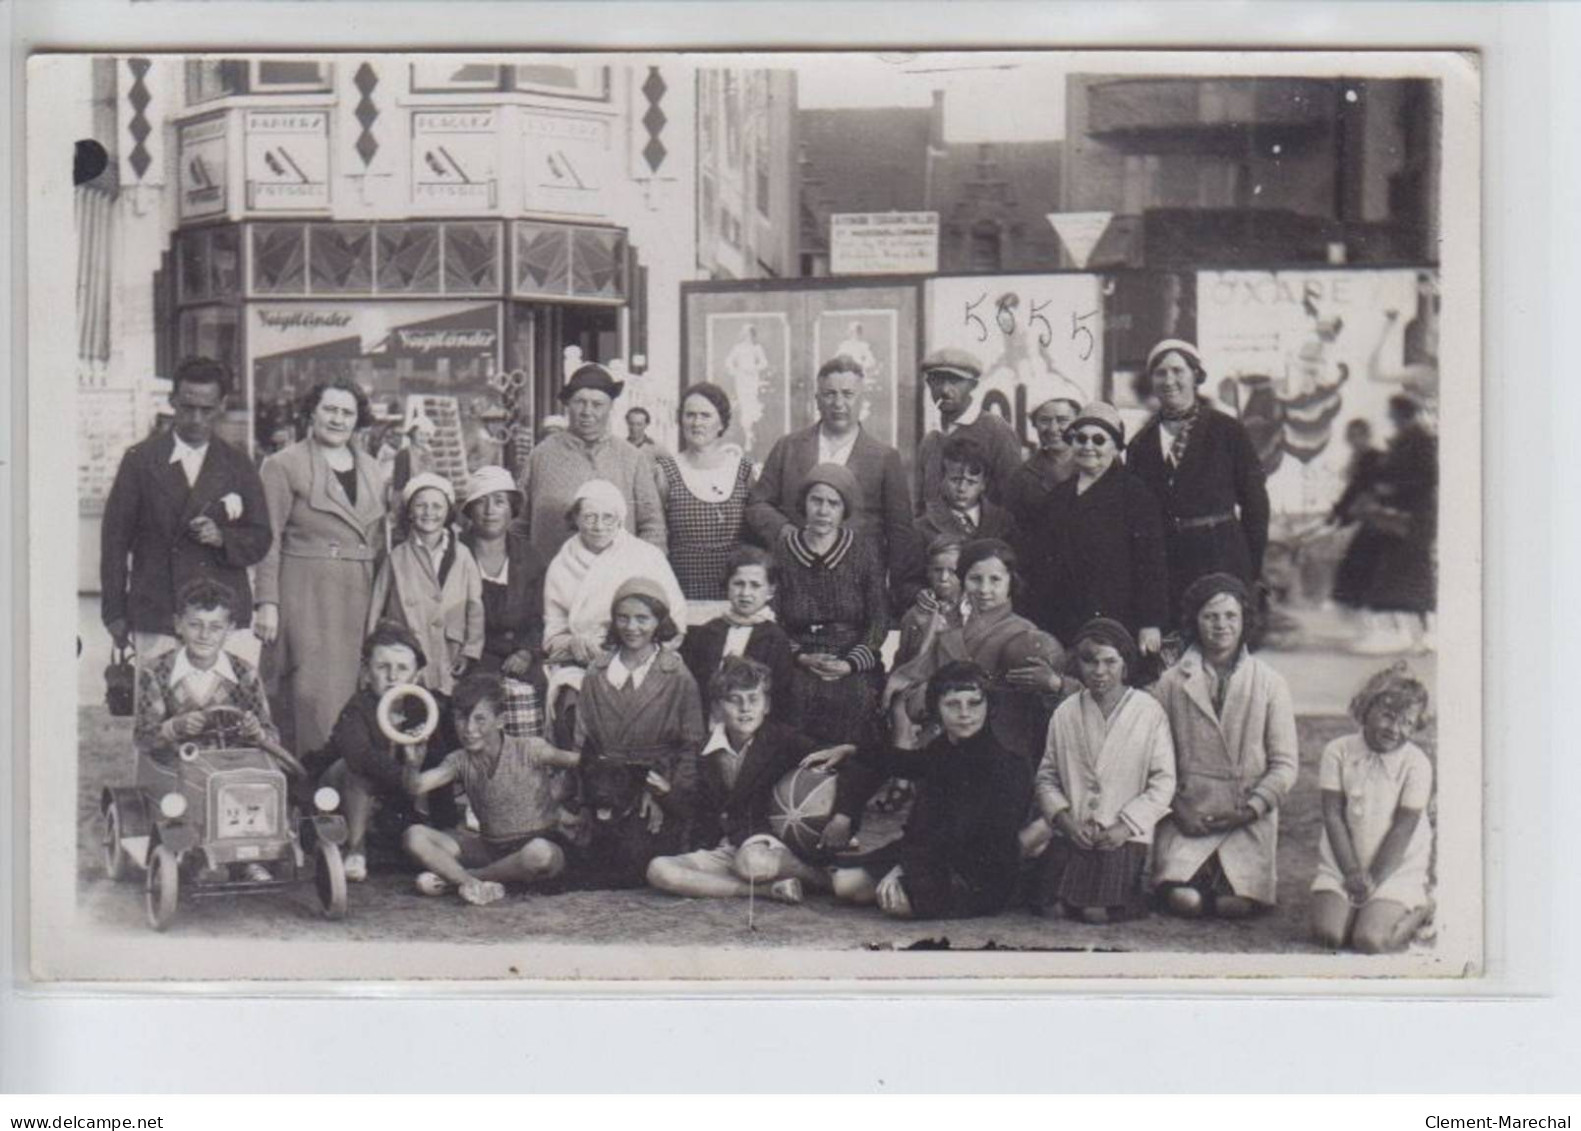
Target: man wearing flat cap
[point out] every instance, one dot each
(563, 461)
(951, 376)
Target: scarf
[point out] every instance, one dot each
(1187, 420)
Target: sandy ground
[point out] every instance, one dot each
(387, 908)
(1321, 673)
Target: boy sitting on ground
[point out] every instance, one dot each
(515, 786)
(368, 769)
(745, 756)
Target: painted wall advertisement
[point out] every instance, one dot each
(568, 165)
(204, 160)
(454, 158)
(1037, 336)
(287, 160)
(1299, 354)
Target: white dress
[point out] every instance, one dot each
(1375, 786)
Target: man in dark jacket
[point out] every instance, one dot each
(951, 376)
(184, 505)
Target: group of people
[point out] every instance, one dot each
(598, 739)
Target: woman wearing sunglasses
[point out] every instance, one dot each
(1103, 541)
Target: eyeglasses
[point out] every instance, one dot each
(1089, 439)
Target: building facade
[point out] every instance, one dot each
(452, 233)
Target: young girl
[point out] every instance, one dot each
(748, 629)
(1106, 779)
(431, 583)
(639, 725)
(1371, 885)
(937, 607)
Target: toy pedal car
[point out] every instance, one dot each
(197, 821)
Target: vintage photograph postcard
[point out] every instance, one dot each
(907, 519)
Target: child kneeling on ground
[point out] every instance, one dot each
(745, 756)
(958, 857)
(368, 769)
(1106, 780)
(515, 786)
(1371, 887)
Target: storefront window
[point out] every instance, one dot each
(408, 258)
(569, 80)
(208, 79)
(279, 259)
(340, 258)
(439, 75)
(565, 261)
(281, 76)
(472, 258)
(208, 262)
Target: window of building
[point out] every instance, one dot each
(440, 75)
(985, 247)
(208, 79)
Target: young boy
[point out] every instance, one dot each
(745, 756)
(368, 768)
(177, 687)
(747, 628)
(515, 786)
(960, 508)
(939, 605)
(175, 691)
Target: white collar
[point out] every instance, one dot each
(719, 741)
(973, 411)
(183, 668)
(438, 550)
(619, 673)
(831, 446)
(181, 450)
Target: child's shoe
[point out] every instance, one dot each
(431, 883)
(480, 893)
(356, 867)
(786, 891)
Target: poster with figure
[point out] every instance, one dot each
(868, 338)
(764, 345)
(749, 357)
(1298, 354)
(1037, 336)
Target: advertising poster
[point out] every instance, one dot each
(203, 149)
(1299, 354)
(1037, 336)
(764, 347)
(287, 160)
(454, 154)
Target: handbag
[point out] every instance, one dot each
(120, 684)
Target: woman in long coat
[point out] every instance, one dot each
(1102, 542)
(1236, 760)
(315, 585)
(1203, 469)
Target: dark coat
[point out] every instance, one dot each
(883, 512)
(1220, 475)
(518, 625)
(740, 811)
(959, 854)
(993, 522)
(994, 436)
(703, 649)
(147, 554)
(1101, 554)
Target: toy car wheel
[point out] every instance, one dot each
(163, 890)
(117, 861)
(329, 879)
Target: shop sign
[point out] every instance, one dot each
(567, 166)
(202, 146)
(455, 154)
(883, 243)
(425, 342)
(287, 160)
(402, 329)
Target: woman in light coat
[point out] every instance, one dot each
(1236, 757)
(314, 587)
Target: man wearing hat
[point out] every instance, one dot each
(587, 450)
(951, 376)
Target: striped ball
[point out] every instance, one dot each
(803, 802)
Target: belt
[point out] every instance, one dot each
(332, 550)
(1203, 522)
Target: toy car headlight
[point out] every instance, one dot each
(173, 805)
(326, 799)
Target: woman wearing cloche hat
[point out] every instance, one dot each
(1102, 540)
(1202, 467)
(512, 573)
